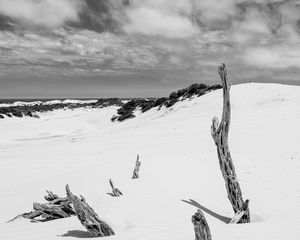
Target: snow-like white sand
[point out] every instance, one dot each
(179, 161)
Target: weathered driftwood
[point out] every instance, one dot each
(201, 227)
(29, 215)
(55, 208)
(115, 191)
(50, 196)
(50, 212)
(137, 168)
(219, 133)
(208, 211)
(237, 217)
(88, 217)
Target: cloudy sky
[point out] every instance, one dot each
(132, 48)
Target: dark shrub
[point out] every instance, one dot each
(171, 102)
(202, 86)
(147, 105)
(114, 117)
(181, 92)
(160, 101)
(17, 114)
(173, 95)
(214, 87)
(28, 114)
(126, 111)
(4, 110)
(122, 111)
(192, 89)
(126, 116)
(131, 104)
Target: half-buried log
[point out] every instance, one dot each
(201, 227)
(88, 217)
(219, 133)
(55, 208)
(137, 168)
(50, 212)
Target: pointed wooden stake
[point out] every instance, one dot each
(219, 133)
(115, 191)
(137, 168)
(201, 227)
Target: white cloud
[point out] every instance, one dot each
(255, 26)
(211, 11)
(169, 18)
(45, 13)
(150, 21)
(280, 56)
(176, 18)
(82, 49)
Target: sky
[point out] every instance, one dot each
(143, 48)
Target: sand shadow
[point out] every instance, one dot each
(77, 234)
(208, 211)
(110, 194)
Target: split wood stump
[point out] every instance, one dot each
(115, 191)
(137, 168)
(201, 227)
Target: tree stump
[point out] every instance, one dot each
(115, 191)
(136, 169)
(201, 227)
(88, 217)
(219, 133)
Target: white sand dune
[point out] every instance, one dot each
(179, 161)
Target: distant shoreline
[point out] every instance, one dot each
(12, 100)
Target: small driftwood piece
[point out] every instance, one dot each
(50, 196)
(88, 217)
(219, 133)
(137, 168)
(201, 227)
(55, 208)
(115, 191)
(29, 215)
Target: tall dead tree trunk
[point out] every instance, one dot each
(219, 133)
(88, 218)
(137, 168)
(201, 227)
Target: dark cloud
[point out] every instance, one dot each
(6, 24)
(100, 16)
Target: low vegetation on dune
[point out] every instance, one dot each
(127, 110)
(33, 110)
